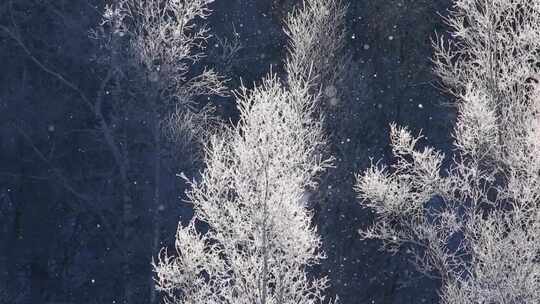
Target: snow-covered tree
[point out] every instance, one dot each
(477, 224)
(159, 42)
(260, 241)
(150, 50)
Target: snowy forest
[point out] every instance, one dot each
(270, 151)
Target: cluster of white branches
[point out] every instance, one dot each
(190, 129)
(316, 39)
(163, 41)
(260, 241)
(476, 225)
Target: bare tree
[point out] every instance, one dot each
(475, 226)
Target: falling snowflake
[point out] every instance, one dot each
(333, 101)
(330, 91)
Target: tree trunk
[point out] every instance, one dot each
(157, 205)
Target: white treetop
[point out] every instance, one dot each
(477, 225)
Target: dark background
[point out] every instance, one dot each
(62, 221)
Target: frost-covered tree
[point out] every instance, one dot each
(150, 49)
(260, 241)
(155, 46)
(477, 224)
